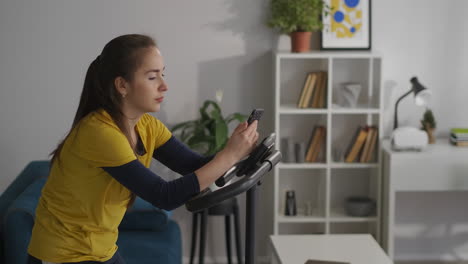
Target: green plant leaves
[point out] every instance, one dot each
(209, 133)
(297, 15)
(428, 119)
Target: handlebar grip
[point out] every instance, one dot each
(220, 181)
(252, 160)
(208, 198)
(228, 175)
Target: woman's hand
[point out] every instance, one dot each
(239, 145)
(242, 141)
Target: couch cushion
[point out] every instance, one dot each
(164, 246)
(144, 216)
(18, 223)
(33, 171)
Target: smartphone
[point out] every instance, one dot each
(255, 115)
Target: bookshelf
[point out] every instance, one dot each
(321, 187)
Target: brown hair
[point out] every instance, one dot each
(121, 57)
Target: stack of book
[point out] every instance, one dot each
(314, 92)
(459, 137)
(362, 146)
(316, 144)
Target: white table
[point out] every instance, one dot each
(439, 167)
(352, 248)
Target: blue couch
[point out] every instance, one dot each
(146, 234)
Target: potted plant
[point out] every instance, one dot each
(298, 19)
(429, 124)
(209, 133)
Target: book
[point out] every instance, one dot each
(351, 142)
(375, 136)
(310, 89)
(322, 144)
(323, 90)
(365, 150)
(459, 136)
(315, 99)
(312, 143)
(357, 146)
(457, 139)
(317, 148)
(458, 143)
(301, 98)
(459, 130)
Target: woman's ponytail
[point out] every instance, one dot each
(88, 100)
(91, 89)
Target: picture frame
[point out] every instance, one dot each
(347, 26)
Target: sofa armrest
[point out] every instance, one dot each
(19, 221)
(33, 171)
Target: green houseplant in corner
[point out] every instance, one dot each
(298, 19)
(209, 133)
(428, 124)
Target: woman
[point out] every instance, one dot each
(102, 164)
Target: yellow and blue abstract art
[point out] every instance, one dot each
(347, 18)
(348, 25)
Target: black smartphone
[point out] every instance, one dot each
(255, 115)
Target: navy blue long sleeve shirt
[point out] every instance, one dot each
(149, 186)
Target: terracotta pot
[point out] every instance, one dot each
(300, 41)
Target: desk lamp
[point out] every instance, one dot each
(411, 138)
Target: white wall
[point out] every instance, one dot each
(46, 47)
(427, 39)
(424, 39)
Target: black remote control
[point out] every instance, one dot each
(255, 115)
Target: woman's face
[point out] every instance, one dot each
(146, 90)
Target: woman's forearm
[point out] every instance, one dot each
(211, 171)
(179, 157)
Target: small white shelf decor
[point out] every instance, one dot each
(327, 183)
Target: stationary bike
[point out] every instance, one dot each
(250, 172)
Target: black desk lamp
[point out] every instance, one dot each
(421, 97)
(410, 138)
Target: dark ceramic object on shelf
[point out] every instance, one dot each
(360, 206)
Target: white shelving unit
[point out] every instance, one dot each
(326, 184)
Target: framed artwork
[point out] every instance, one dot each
(347, 26)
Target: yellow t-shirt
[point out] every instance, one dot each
(81, 205)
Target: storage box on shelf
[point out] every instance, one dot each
(351, 100)
(356, 182)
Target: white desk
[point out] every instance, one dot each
(440, 167)
(352, 248)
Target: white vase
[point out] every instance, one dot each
(349, 95)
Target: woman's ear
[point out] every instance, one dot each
(121, 86)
